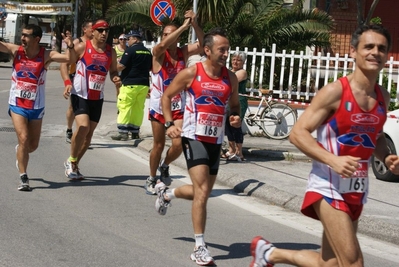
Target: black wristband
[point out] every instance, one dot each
(71, 47)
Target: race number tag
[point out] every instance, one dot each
(359, 181)
(96, 82)
(176, 103)
(26, 90)
(210, 125)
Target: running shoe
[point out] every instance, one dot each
(68, 136)
(24, 184)
(80, 175)
(202, 256)
(150, 186)
(71, 170)
(161, 204)
(16, 161)
(165, 178)
(259, 248)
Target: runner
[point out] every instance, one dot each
(348, 115)
(68, 73)
(27, 93)
(168, 60)
(96, 58)
(209, 86)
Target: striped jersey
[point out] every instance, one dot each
(350, 131)
(28, 81)
(161, 81)
(91, 72)
(206, 101)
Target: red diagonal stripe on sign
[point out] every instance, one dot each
(163, 11)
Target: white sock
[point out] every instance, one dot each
(267, 254)
(170, 193)
(199, 240)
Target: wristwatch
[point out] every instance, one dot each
(168, 124)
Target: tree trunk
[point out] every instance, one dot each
(371, 11)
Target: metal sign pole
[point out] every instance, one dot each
(75, 24)
(193, 37)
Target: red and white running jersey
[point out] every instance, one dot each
(161, 81)
(350, 131)
(205, 109)
(28, 81)
(91, 72)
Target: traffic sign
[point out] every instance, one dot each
(3, 13)
(161, 9)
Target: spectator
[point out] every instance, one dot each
(135, 66)
(235, 136)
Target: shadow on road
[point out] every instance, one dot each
(89, 181)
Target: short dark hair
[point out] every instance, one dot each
(86, 23)
(208, 37)
(372, 27)
(36, 30)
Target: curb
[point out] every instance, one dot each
(275, 196)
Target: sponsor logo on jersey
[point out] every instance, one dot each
(365, 118)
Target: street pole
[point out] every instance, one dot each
(193, 37)
(75, 23)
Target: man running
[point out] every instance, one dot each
(27, 93)
(96, 58)
(209, 87)
(168, 60)
(348, 115)
(68, 75)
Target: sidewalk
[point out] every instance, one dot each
(254, 182)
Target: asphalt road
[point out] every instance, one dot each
(107, 220)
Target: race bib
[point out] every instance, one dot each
(359, 182)
(210, 125)
(96, 82)
(26, 90)
(176, 103)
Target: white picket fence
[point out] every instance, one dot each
(313, 72)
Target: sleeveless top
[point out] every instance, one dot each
(91, 72)
(28, 80)
(206, 101)
(161, 81)
(72, 67)
(350, 131)
(119, 53)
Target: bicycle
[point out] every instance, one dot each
(276, 120)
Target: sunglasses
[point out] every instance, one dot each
(121, 39)
(102, 30)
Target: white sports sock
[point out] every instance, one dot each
(170, 194)
(199, 240)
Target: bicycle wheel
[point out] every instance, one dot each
(277, 120)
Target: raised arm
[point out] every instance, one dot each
(8, 48)
(195, 48)
(68, 57)
(159, 50)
